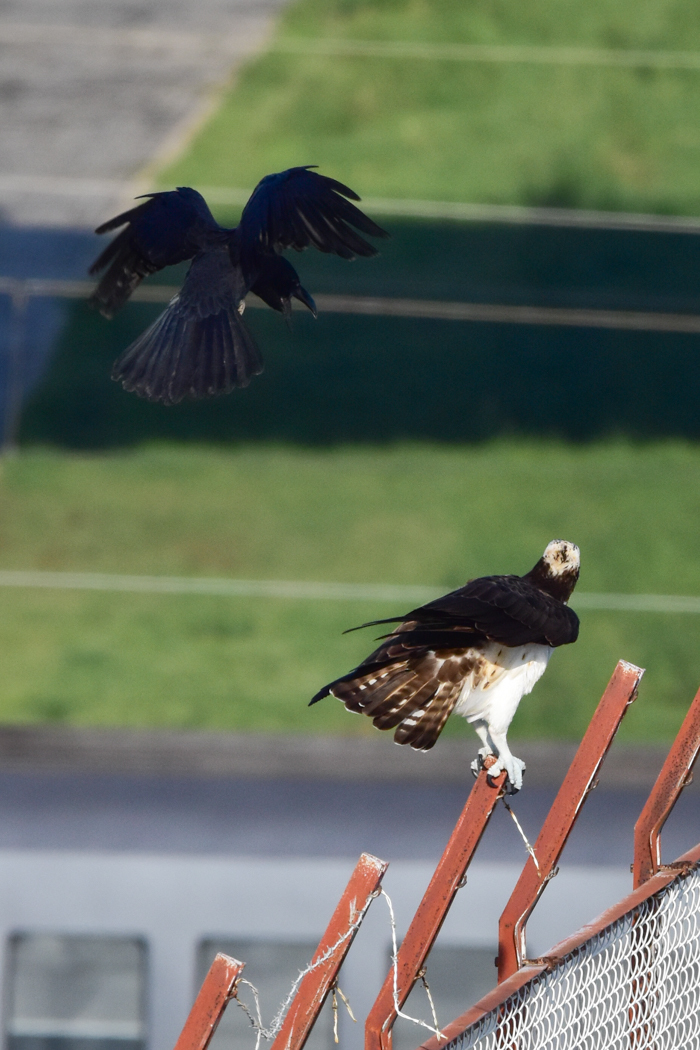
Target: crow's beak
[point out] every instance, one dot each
(303, 296)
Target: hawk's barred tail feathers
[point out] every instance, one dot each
(414, 699)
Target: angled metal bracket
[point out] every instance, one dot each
(619, 694)
(219, 986)
(330, 954)
(217, 989)
(433, 909)
(674, 776)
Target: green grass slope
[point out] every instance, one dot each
(507, 133)
(409, 514)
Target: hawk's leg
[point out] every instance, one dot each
(496, 744)
(514, 767)
(482, 731)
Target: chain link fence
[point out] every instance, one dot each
(635, 984)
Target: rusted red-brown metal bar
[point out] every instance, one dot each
(498, 996)
(674, 776)
(432, 910)
(328, 958)
(217, 988)
(619, 694)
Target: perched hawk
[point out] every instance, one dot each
(477, 651)
(199, 346)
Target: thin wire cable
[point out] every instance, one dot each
(509, 53)
(424, 982)
(336, 991)
(523, 836)
(256, 1022)
(395, 968)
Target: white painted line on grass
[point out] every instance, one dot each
(159, 38)
(300, 589)
(66, 186)
(507, 53)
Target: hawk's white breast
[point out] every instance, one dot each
(499, 681)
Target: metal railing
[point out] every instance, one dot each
(631, 978)
(22, 290)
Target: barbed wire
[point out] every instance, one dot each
(270, 1032)
(276, 1024)
(523, 836)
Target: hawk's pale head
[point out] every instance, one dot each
(562, 558)
(557, 570)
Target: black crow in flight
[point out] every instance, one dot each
(199, 345)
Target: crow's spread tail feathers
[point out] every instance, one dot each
(189, 357)
(199, 346)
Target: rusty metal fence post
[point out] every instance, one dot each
(674, 776)
(219, 986)
(619, 694)
(330, 954)
(216, 991)
(433, 908)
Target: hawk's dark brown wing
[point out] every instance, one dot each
(506, 609)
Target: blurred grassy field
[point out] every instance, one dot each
(409, 514)
(575, 136)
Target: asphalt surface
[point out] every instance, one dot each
(97, 90)
(277, 818)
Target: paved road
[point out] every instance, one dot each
(277, 818)
(98, 89)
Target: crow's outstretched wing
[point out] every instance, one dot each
(199, 345)
(299, 208)
(166, 229)
(506, 609)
